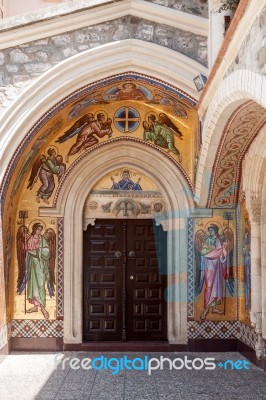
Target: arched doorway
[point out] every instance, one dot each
(124, 260)
(70, 205)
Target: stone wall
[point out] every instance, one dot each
(252, 54)
(196, 7)
(20, 65)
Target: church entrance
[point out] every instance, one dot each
(124, 281)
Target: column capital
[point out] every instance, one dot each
(255, 203)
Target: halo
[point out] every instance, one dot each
(214, 223)
(129, 173)
(51, 147)
(100, 112)
(34, 222)
(120, 85)
(150, 113)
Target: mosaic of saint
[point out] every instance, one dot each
(36, 254)
(245, 265)
(124, 192)
(214, 245)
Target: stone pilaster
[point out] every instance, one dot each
(256, 300)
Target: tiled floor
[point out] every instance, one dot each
(45, 377)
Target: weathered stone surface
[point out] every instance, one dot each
(10, 92)
(17, 56)
(145, 32)
(41, 56)
(11, 68)
(252, 54)
(32, 49)
(21, 80)
(83, 47)
(22, 64)
(261, 55)
(41, 42)
(61, 40)
(196, 7)
(122, 32)
(2, 58)
(69, 51)
(37, 68)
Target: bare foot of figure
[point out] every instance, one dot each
(33, 309)
(38, 199)
(179, 159)
(46, 201)
(216, 311)
(45, 313)
(67, 159)
(204, 314)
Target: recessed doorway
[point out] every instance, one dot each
(124, 281)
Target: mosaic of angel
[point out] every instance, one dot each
(36, 253)
(44, 169)
(162, 132)
(214, 259)
(88, 129)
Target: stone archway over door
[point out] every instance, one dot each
(70, 205)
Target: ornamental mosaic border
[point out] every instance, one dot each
(231, 190)
(29, 328)
(60, 277)
(222, 330)
(53, 110)
(213, 330)
(190, 309)
(238, 215)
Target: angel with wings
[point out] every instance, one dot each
(162, 133)
(214, 262)
(87, 131)
(36, 253)
(44, 169)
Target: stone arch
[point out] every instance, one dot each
(70, 203)
(235, 90)
(254, 186)
(95, 64)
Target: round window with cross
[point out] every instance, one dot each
(126, 119)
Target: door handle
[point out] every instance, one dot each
(118, 255)
(131, 254)
(132, 277)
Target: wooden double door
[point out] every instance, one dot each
(124, 281)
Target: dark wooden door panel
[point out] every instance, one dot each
(144, 284)
(102, 289)
(146, 307)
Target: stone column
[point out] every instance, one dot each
(256, 287)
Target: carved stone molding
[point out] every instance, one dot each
(255, 202)
(161, 221)
(87, 222)
(256, 323)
